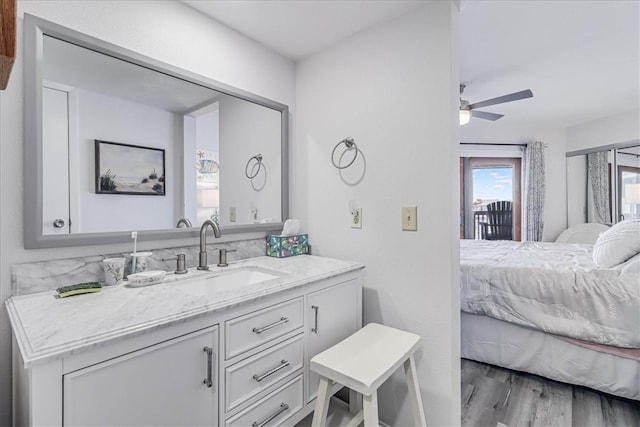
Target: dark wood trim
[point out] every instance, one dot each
(8, 15)
(517, 199)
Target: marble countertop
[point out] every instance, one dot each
(47, 327)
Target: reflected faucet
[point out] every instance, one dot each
(203, 265)
(184, 221)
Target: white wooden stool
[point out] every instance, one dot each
(362, 362)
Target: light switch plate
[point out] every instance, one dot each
(409, 218)
(232, 214)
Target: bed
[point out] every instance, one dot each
(555, 310)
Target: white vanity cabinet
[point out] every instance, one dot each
(253, 348)
(171, 383)
(332, 315)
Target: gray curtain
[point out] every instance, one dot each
(598, 209)
(534, 190)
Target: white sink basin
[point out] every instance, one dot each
(242, 277)
(231, 280)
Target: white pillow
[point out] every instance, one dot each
(617, 244)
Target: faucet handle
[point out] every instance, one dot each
(225, 250)
(222, 256)
(180, 265)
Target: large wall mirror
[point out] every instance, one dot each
(117, 142)
(603, 184)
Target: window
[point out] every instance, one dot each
(484, 180)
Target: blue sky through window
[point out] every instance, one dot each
(490, 184)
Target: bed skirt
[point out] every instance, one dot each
(488, 340)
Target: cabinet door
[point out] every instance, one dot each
(332, 315)
(160, 385)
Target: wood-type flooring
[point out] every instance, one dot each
(498, 397)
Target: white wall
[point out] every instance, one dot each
(112, 119)
(394, 89)
(486, 132)
(605, 131)
(168, 31)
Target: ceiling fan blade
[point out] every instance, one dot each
(523, 94)
(485, 115)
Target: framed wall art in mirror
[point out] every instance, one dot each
(79, 90)
(129, 169)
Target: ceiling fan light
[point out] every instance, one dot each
(465, 116)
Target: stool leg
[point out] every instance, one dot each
(370, 409)
(414, 392)
(322, 403)
(355, 402)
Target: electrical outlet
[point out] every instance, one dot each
(232, 214)
(356, 218)
(409, 218)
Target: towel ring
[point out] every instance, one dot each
(349, 143)
(258, 163)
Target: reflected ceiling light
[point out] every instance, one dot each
(465, 116)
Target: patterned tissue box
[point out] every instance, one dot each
(284, 246)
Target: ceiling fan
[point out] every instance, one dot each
(469, 110)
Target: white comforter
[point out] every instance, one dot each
(553, 287)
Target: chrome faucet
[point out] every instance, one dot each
(203, 265)
(184, 221)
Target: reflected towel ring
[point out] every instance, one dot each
(350, 144)
(258, 159)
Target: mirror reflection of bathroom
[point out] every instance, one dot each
(203, 133)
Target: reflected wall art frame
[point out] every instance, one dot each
(129, 169)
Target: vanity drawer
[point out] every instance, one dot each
(274, 409)
(249, 377)
(257, 328)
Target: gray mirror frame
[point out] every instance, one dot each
(34, 30)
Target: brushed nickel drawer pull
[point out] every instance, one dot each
(208, 381)
(315, 328)
(283, 364)
(283, 407)
(273, 325)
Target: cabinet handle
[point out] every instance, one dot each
(283, 364)
(208, 381)
(315, 328)
(273, 325)
(283, 407)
